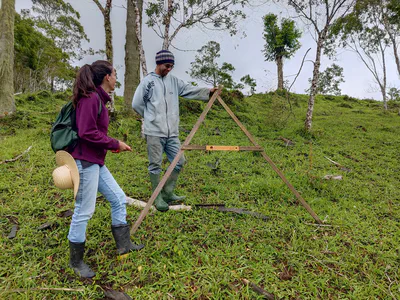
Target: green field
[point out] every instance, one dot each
(203, 253)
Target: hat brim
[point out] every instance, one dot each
(64, 158)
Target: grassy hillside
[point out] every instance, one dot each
(203, 253)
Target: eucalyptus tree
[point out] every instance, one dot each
(168, 17)
(394, 94)
(7, 12)
(206, 68)
(329, 81)
(365, 33)
(59, 21)
(106, 12)
(133, 49)
(281, 42)
(251, 82)
(319, 15)
(37, 58)
(391, 21)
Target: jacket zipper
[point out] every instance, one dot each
(166, 105)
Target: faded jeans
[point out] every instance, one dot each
(95, 179)
(156, 146)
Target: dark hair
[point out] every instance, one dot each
(88, 78)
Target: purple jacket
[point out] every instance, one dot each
(92, 129)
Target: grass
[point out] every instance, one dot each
(205, 254)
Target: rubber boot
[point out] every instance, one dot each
(159, 202)
(76, 251)
(169, 187)
(122, 238)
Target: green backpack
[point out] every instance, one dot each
(64, 133)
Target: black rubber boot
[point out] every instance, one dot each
(168, 191)
(123, 239)
(76, 251)
(159, 202)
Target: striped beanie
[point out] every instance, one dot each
(164, 57)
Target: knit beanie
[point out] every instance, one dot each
(164, 57)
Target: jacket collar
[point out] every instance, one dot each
(103, 95)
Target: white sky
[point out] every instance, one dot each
(244, 53)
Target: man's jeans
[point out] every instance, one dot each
(95, 179)
(155, 148)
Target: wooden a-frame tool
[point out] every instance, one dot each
(186, 146)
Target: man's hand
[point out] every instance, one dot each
(213, 90)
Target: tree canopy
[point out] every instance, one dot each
(206, 68)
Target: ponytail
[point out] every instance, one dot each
(88, 78)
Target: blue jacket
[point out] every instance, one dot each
(157, 100)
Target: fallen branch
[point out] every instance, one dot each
(141, 204)
(46, 289)
(17, 157)
(334, 177)
(259, 290)
(242, 212)
(334, 162)
(338, 165)
(321, 225)
(287, 141)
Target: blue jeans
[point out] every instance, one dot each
(95, 179)
(156, 146)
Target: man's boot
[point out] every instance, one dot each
(169, 187)
(159, 202)
(121, 234)
(76, 251)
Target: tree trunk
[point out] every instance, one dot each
(313, 90)
(138, 12)
(384, 84)
(132, 57)
(108, 30)
(392, 38)
(279, 63)
(396, 56)
(7, 13)
(167, 22)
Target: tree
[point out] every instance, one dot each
(60, 21)
(37, 58)
(132, 52)
(319, 15)
(7, 12)
(394, 94)
(363, 32)
(280, 42)
(206, 69)
(329, 81)
(391, 21)
(132, 63)
(187, 13)
(247, 80)
(106, 12)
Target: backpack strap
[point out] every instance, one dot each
(100, 106)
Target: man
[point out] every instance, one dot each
(156, 100)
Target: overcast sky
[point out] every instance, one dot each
(243, 52)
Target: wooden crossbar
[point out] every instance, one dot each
(222, 148)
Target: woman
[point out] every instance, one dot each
(91, 90)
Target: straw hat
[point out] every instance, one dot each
(66, 176)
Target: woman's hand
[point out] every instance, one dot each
(123, 147)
